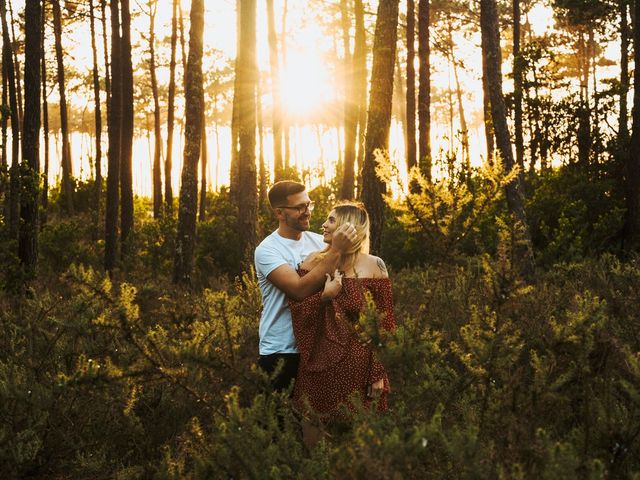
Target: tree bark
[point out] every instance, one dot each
(12, 210)
(45, 119)
(16, 67)
(30, 172)
(97, 116)
(464, 130)
(67, 187)
(491, 51)
(379, 118)
(234, 175)
(351, 174)
(623, 128)
(188, 204)
(486, 109)
(126, 147)
(399, 105)
(350, 108)
(278, 164)
(517, 86)
(247, 71)
(584, 114)
(285, 124)
(262, 168)
(105, 48)
(168, 162)
(115, 138)
(411, 87)
(360, 82)
(157, 137)
(4, 126)
(424, 90)
(631, 229)
(204, 160)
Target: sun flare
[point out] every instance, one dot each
(306, 87)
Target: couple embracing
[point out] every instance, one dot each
(313, 290)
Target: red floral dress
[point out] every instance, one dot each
(333, 363)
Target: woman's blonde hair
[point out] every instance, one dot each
(356, 214)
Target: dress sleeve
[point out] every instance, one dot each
(322, 340)
(382, 294)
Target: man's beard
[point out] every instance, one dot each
(296, 224)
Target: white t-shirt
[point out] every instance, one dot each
(276, 331)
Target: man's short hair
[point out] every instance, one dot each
(279, 192)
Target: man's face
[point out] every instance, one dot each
(297, 211)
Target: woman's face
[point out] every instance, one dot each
(329, 226)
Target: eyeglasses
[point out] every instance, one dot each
(303, 207)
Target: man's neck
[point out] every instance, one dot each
(288, 232)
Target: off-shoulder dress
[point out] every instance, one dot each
(334, 362)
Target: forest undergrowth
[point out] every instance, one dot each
(493, 375)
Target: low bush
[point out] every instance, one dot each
(492, 378)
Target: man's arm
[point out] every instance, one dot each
(294, 286)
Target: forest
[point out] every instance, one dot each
(495, 145)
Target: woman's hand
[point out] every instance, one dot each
(332, 286)
(377, 388)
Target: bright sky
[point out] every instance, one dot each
(308, 85)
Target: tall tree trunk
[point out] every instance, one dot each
(631, 229)
(234, 175)
(168, 162)
(424, 90)
(517, 86)
(115, 140)
(350, 108)
(411, 86)
(515, 198)
(247, 73)
(157, 137)
(486, 110)
(450, 156)
(379, 118)
(216, 174)
(97, 116)
(262, 168)
(67, 187)
(188, 204)
(204, 161)
(28, 239)
(16, 67)
(13, 203)
(285, 124)
(346, 159)
(105, 48)
(360, 82)
(45, 119)
(584, 114)
(623, 128)
(4, 126)
(399, 105)
(183, 43)
(464, 130)
(276, 111)
(596, 141)
(126, 147)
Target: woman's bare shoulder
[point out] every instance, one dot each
(372, 267)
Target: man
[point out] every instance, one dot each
(276, 260)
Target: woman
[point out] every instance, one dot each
(335, 361)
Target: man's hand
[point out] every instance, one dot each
(343, 238)
(332, 286)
